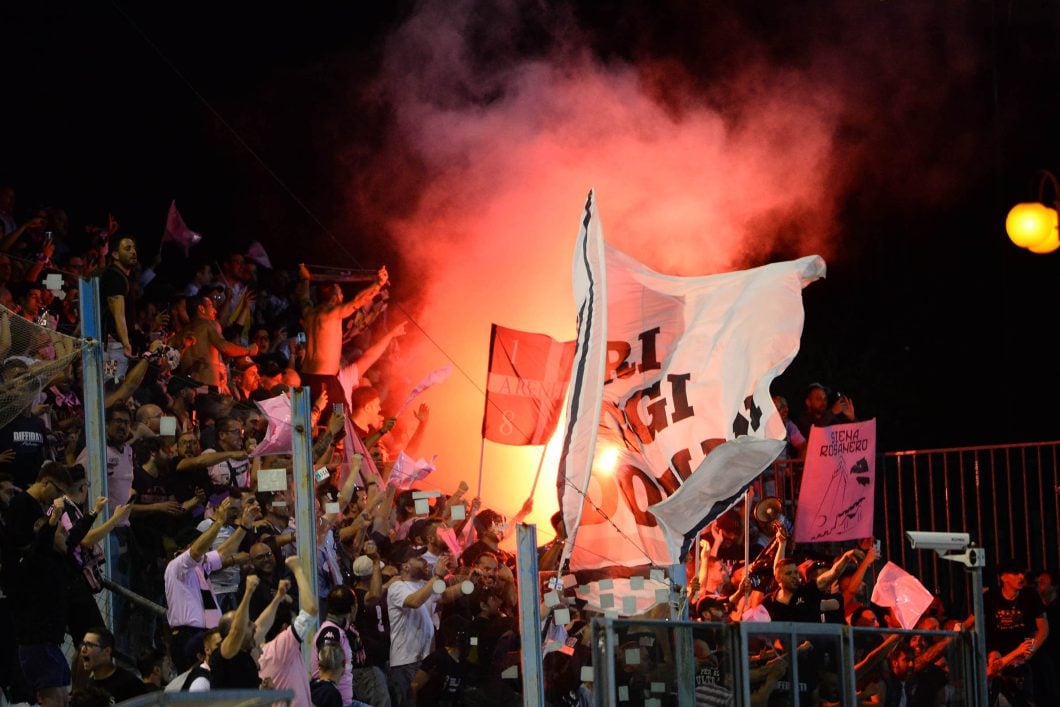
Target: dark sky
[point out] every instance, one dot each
(290, 128)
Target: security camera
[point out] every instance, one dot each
(939, 542)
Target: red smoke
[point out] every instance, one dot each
(506, 152)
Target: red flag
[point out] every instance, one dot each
(528, 375)
(177, 232)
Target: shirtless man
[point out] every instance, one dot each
(201, 359)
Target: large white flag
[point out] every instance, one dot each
(584, 397)
(669, 425)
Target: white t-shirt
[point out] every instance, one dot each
(411, 629)
(229, 472)
(119, 476)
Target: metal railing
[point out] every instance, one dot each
(750, 663)
(214, 698)
(1006, 497)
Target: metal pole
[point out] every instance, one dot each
(304, 494)
(135, 598)
(610, 697)
(684, 664)
(529, 615)
(980, 637)
(95, 429)
(793, 651)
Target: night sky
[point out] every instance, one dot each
(890, 136)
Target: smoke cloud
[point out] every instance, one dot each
(502, 119)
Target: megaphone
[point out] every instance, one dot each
(770, 512)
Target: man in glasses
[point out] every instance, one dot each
(263, 565)
(26, 508)
(235, 470)
(97, 657)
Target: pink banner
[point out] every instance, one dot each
(177, 232)
(837, 495)
(278, 435)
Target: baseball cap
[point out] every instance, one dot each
(362, 566)
(243, 363)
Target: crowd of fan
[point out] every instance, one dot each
(416, 599)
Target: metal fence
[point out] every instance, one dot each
(215, 698)
(640, 663)
(1006, 497)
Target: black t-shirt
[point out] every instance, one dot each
(1009, 623)
(25, 436)
(325, 694)
(491, 637)
(122, 685)
(151, 489)
(805, 605)
(239, 672)
(19, 517)
(373, 624)
(39, 586)
(115, 283)
(445, 681)
(184, 484)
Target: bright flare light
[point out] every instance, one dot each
(607, 460)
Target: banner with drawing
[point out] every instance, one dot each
(837, 494)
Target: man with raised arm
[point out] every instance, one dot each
(323, 332)
(411, 602)
(232, 664)
(191, 606)
(281, 658)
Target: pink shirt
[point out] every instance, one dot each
(281, 660)
(184, 590)
(344, 683)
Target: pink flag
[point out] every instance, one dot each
(352, 444)
(278, 435)
(898, 589)
(177, 232)
(256, 252)
(406, 471)
(434, 377)
(449, 536)
(838, 484)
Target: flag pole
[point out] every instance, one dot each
(481, 451)
(697, 550)
(469, 527)
(747, 531)
(540, 463)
